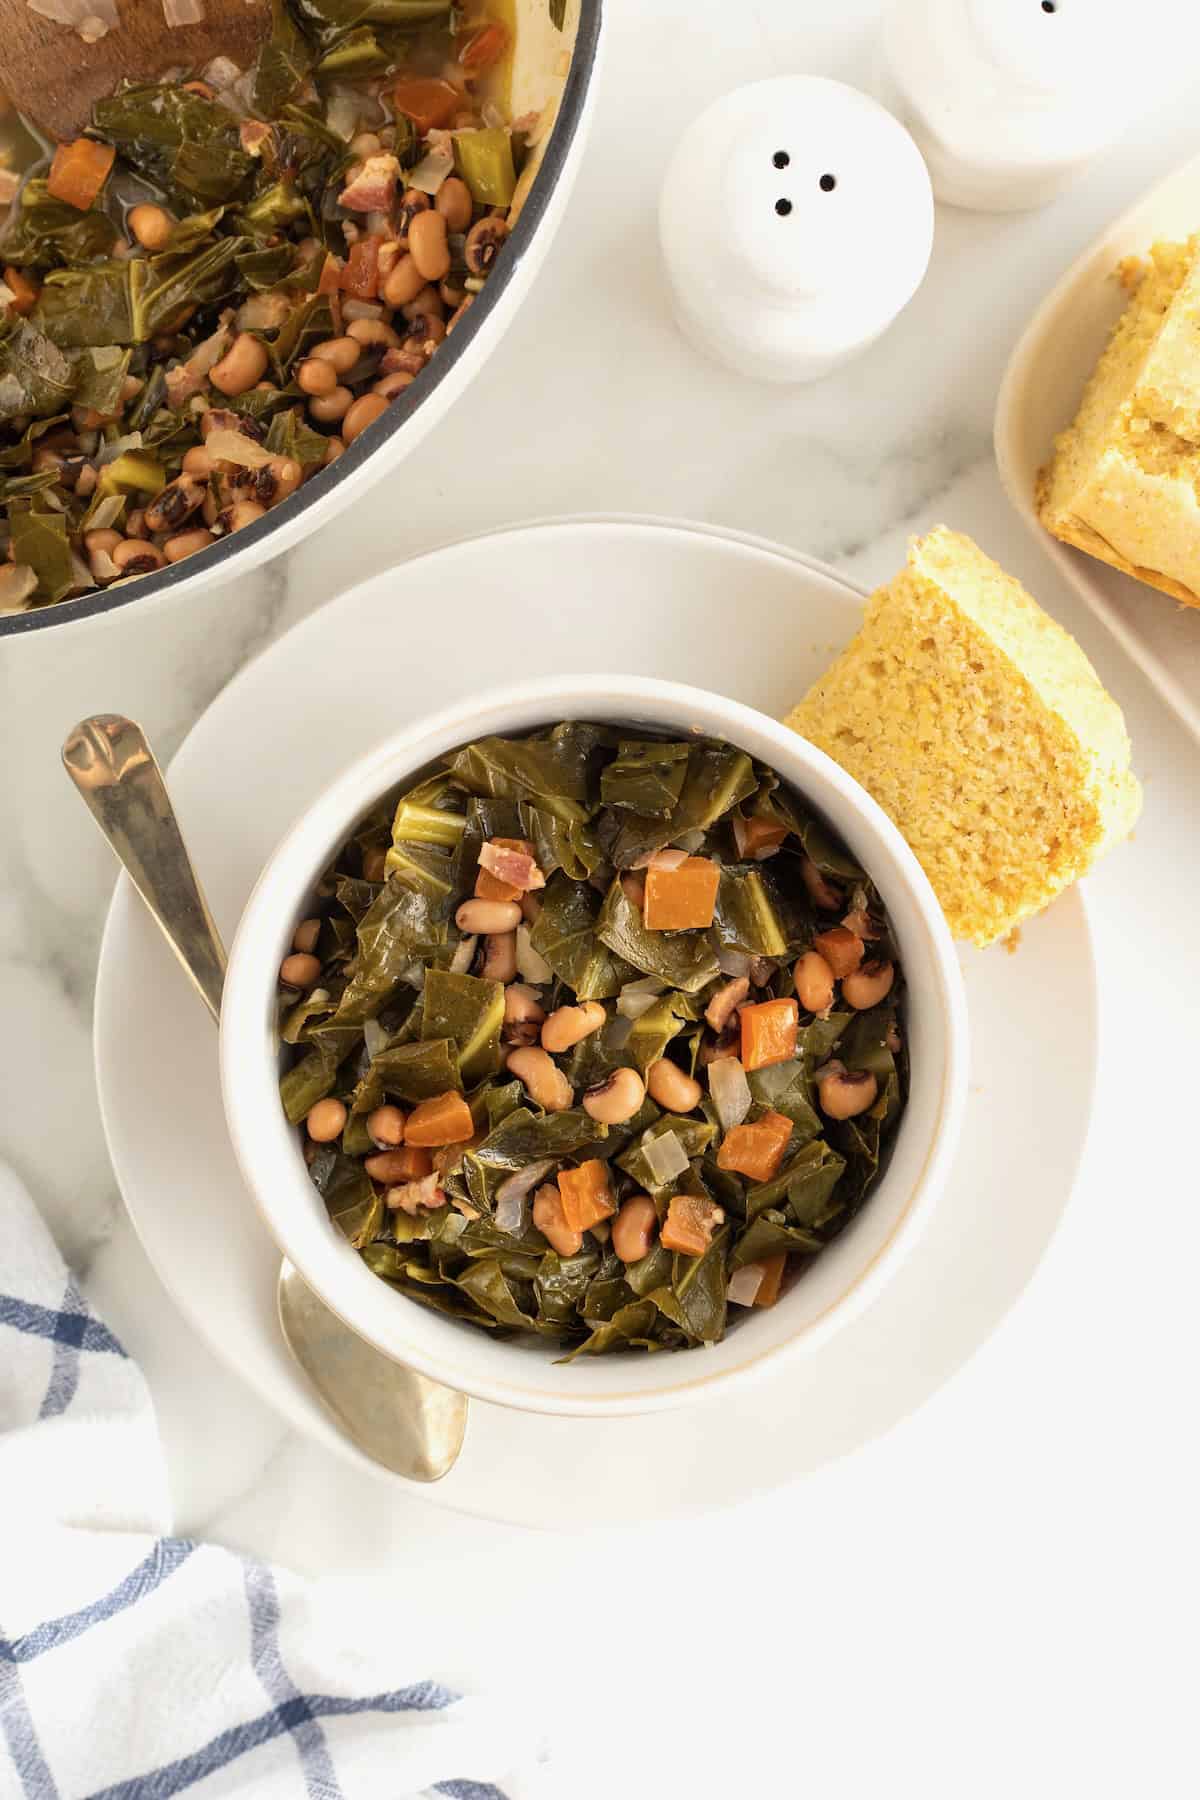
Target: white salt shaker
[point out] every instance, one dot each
(796, 221)
(1009, 99)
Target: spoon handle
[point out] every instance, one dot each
(114, 769)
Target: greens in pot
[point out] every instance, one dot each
(604, 1101)
(228, 278)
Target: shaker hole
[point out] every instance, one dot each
(827, 183)
(781, 159)
(783, 208)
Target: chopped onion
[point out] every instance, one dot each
(530, 965)
(665, 1158)
(744, 1284)
(236, 447)
(510, 1195)
(118, 447)
(618, 1034)
(635, 1006)
(734, 962)
(464, 956)
(668, 859)
(730, 1091)
(83, 15)
(222, 72)
(108, 509)
(260, 312)
(101, 565)
(17, 582)
(183, 12)
(691, 841)
(341, 116)
(374, 1037)
(10, 181)
(361, 309)
(434, 169)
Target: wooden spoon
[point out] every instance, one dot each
(53, 77)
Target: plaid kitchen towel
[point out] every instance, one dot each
(136, 1665)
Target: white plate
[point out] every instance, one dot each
(1039, 397)
(718, 611)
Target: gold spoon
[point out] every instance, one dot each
(411, 1425)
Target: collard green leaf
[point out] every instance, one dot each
(696, 1298)
(694, 1135)
(100, 377)
(180, 141)
(469, 1011)
(566, 934)
(561, 1283)
(646, 777)
(289, 435)
(351, 1200)
(398, 928)
(656, 1028)
(46, 233)
(813, 1177)
(316, 1074)
(524, 1137)
(748, 915)
(787, 1088)
(130, 302)
(770, 1233)
(265, 267)
(20, 454)
(683, 959)
(284, 61)
(566, 844)
(326, 20)
(550, 772)
(717, 779)
(630, 1327)
(309, 324)
(35, 376)
(418, 1071)
(40, 540)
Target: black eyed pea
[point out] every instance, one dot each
(342, 352)
(330, 408)
(500, 957)
(385, 1127)
(177, 502)
(671, 1088)
(365, 410)
(389, 387)
(487, 918)
(299, 970)
(242, 512)
(372, 334)
(868, 985)
(333, 450)
(137, 556)
(186, 543)
(305, 936)
(843, 1093)
(403, 283)
(135, 524)
(428, 245)
(634, 1228)
(522, 1006)
(316, 375)
(549, 1220)
(150, 225)
(613, 1101)
(388, 1166)
(542, 1079)
(326, 1121)
(483, 244)
(101, 540)
(725, 1002)
(412, 202)
(243, 364)
(455, 204)
(198, 462)
(814, 982)
(569, 1025)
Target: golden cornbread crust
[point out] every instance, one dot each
(980, 727)
(1124, 481)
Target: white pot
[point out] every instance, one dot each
(843, 1280)
(385, 444)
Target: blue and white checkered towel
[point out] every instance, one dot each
(136, 1665)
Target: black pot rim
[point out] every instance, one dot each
(108, 600)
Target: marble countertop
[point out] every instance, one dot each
(993, 1585)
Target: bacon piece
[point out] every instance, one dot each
(516, 867)
(374, 187)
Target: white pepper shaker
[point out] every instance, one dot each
(796, 221)
(1009, 99)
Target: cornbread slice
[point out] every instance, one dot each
(1124, 480)
(981, 728)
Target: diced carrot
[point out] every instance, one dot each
(331, 275)
(79, 170)
(769, 1033)
(428, 103)
(768, 1288)
(484, 48)
(444, 1120)
(690, 1223)
(24, 291)
(360, 277)
(586, 1195)
(489, 886)
(756, 1151)
(842, 950)
(410, 1163)
(682, 899)
(757, 838)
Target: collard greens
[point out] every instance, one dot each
(403, 1012)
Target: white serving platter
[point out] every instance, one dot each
(715, 610)
(1039, 397)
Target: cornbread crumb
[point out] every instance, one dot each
(980, 727)
(1123, 481)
